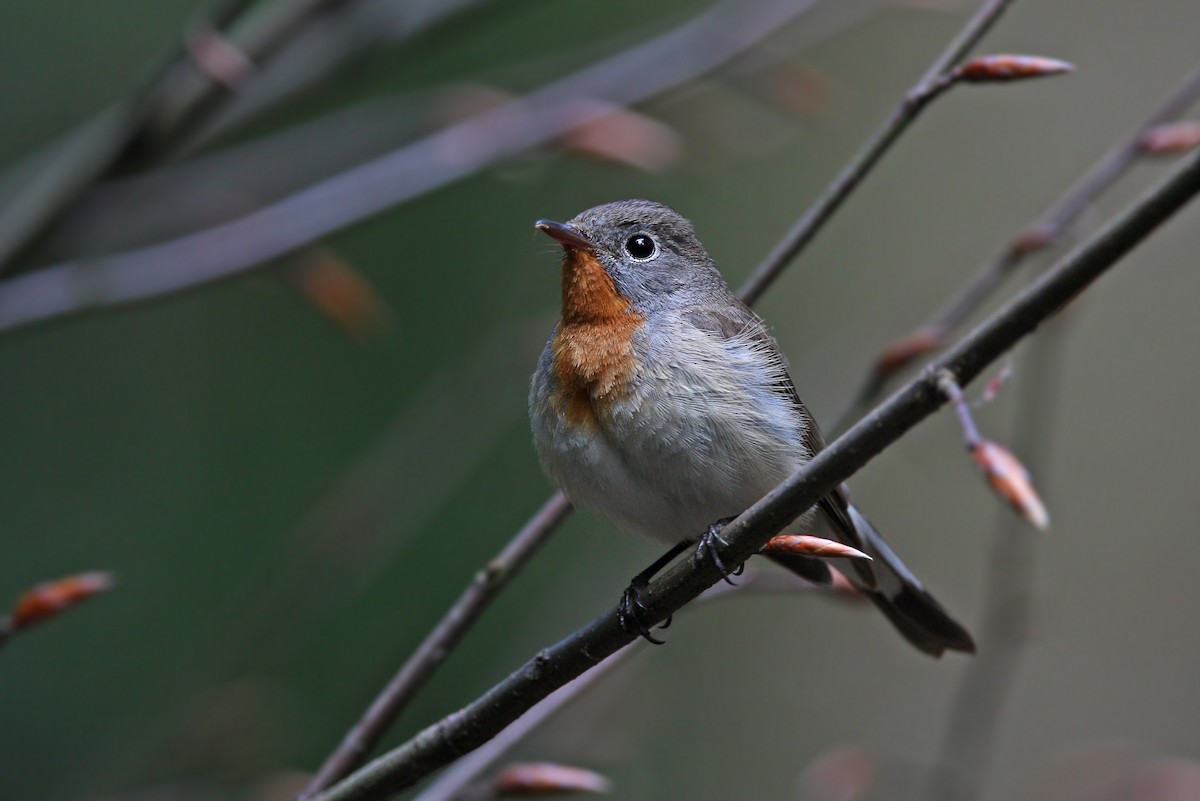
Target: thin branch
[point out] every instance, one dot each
(974, 717)
(1048, 229)
(472, 726)
(633, 76)
(486, 585)
(936, 80)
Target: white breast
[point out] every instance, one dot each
(703, 433)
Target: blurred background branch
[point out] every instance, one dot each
(632, 76)
(190, 88)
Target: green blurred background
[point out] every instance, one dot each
(289, 509)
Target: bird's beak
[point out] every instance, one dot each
(566, 235)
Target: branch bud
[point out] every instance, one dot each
(1010, 480)
(1002, 68)
(547, 778)
(904, 351)
(819, 547)
(55, 597)
(1175, 137)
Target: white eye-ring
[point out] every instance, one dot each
(641, 247)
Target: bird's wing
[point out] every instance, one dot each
(735, 320)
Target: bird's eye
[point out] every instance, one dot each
(641, 247)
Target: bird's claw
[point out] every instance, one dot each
(707, 548)
(630, 613)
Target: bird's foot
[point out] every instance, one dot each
(631, 610)
(707, 548)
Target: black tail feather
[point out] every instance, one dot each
(889, 585)
(923, 622)
(901, 597)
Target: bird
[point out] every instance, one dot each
(662, 402)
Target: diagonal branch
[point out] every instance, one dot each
(936, 80)
(475, 724)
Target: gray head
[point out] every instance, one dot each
(649, 250)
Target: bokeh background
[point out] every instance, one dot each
(291, 500)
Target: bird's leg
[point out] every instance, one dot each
(631, 607)
(706, 548)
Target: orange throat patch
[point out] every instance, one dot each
(593, 349)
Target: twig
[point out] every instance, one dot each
(1002, 470)
(478, 722)
(635, 75)
(971, 726)
(365, 735)
(935, 81)
(1047, 230)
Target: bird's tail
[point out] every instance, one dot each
(894, 589)
(899, 595)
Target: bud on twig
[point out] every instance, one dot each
(904, 351)
(52, 599)
(996, 383)
(1003, 68)
(1175, 137)
(1004, 473)
(819, 547)
(547, 778)
(1010, 480)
